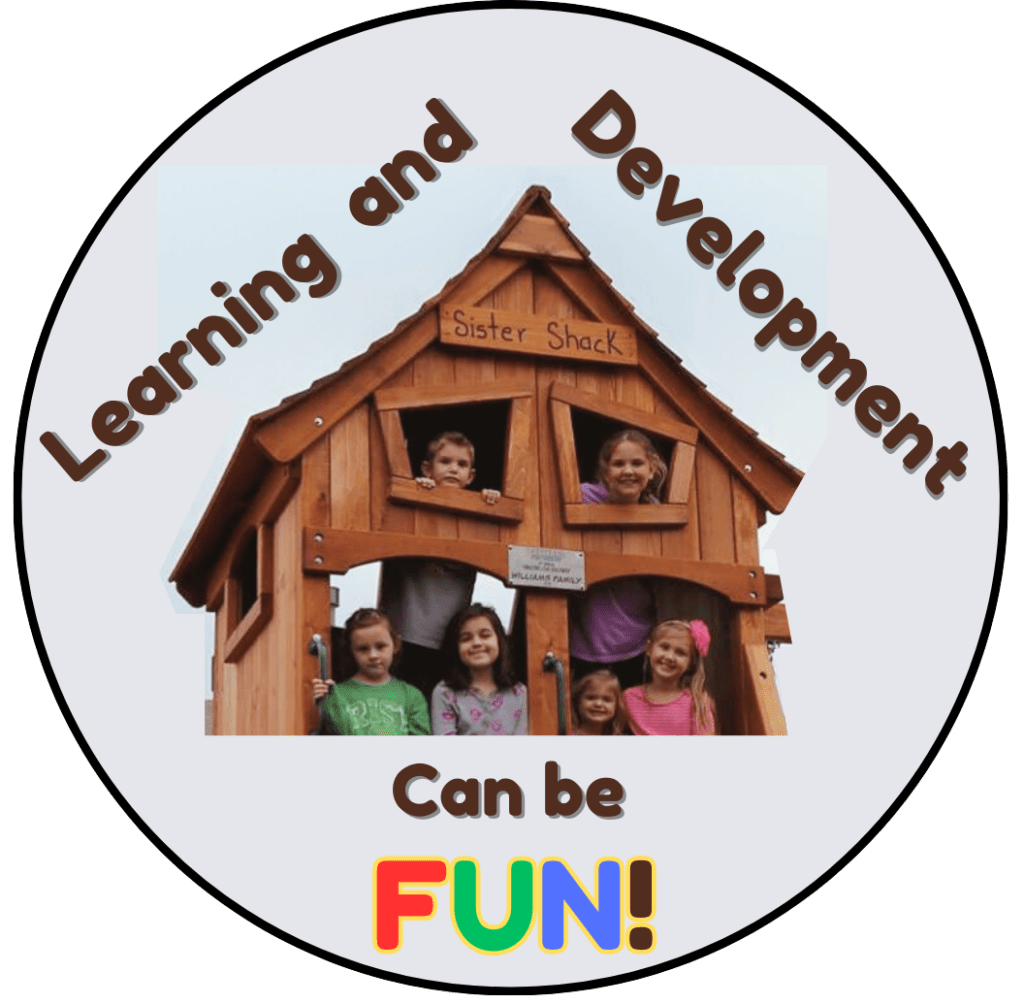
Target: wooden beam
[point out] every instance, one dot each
(742, 584)
(547, 630)
(541, 235)
(336, 551)
(591, 292)
(649, 421)
(517, 452)
(771, 479)
(278, 487)
(340, 550)
(394, 444)
(483, 280)
(769, 719)
(773, 586)
(460, 501)
(680, 472)
(623, 516)
(287, 435)
(565, 453)
(434, 397)
(249, 628)
(776, 624)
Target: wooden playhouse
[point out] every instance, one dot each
(532, 353)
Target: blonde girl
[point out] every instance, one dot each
(480, 695)
(368, 700)
(611, 622)
(674, 701)
(597, 705)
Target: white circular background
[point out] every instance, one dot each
(871, 678)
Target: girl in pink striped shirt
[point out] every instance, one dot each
(674, 701)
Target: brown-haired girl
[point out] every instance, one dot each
(597, 705)
(479, 695)
(674, 701)
(611, 622)
(368, 700)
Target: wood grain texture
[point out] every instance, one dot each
(714, 502)
(767, 719)
(680, 472)
(455, 500)
(432, 368)
(776, 624)
(474, 381)
(287, 435)
(588, 290)
(634, 519)
(547, 630)
(627, 414)
(350, 467)
(395, 447)
(601, 384)
(540, 235)
(490, 274)
(565, 452)
(744, 514)
(772, 481)
(277, 488)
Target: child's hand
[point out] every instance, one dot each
(491, 495)
(425, 482)
(320, 688)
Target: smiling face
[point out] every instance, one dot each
(373, 650)
(478, 644)
(670, 653)
(451, 467)
(598, 702)
(627, 472)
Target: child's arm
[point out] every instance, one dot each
(444, 716)
(419, 716)
(491, 495)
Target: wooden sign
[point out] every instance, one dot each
(538, 334)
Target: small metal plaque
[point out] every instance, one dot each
(546, 568)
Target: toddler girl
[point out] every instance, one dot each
(369, 701)
(674, 701)
(613, 619)
(597, 705)
(479, 696)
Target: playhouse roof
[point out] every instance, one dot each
(281, 434)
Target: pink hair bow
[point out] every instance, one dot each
(701, 637)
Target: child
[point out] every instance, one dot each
(611, 622)
(597, 705)
(479, 696)
(674, 702)
(420, 597)
(370, 701)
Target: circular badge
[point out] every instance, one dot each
(531, 374)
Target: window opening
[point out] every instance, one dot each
(591, 432)
(484, 424)
(246, 574)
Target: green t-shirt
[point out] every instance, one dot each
(395, 708)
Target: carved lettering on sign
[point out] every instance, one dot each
(538, 334)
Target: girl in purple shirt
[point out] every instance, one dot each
(611, 622)
(480, 695)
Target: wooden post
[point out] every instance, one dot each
(547, 630)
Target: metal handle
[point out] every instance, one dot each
(319, 649)
(552, 664)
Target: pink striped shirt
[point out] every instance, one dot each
(676, 718)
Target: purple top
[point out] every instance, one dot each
(613, 619)
(470, 713)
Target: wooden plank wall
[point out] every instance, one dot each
(344, 486)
